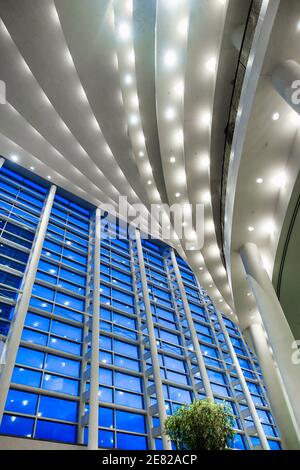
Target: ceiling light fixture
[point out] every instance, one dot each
(211, 64)
(259, 181)
(177, 195)
(170, 114)
(170, 58)
(124, 30)
(172, 160)
(276, 116)
(251, 229)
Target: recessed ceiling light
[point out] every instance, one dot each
(149, 182)
(170, 58)
(206, 196)
(170, 114)
(201, 269)
(182, 27)
(177, 195)
(14, 158)
(211, 64)
(141, 154)
(276, 116)
(251, 229)
(133, 119)
(259, 180)
(124, 30)
(221, 301)
(279, 180)
(49, 177)
(172, 160)
(184, 224)
(128, 79)
(32, 168)
(249, 294)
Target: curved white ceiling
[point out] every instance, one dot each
(117, 97)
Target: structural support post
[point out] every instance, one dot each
(152, 344)
(194, 337)
(278, 330)
(279, 400)
(94, 377)
(243, 383)
(1, 161)
(17, 324)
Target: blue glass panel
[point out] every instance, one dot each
(129, 399)
(37, 321)
(26, 377)
(16, 426)
(106, 417)
(60, 384)
(66, 331)
(55, 431)
(34, 337)
(130, 421)
(21, 402)
(69, 301)
(63, 345)
(30, 357)
(131, 442)
(62, 365)
(105, 394)
(128, 382)
(57, 408)
(105, 439)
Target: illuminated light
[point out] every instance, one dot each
(128, 79)
(211, 64)
(268, 227)
(170, 58)
(49, 177)
(149, 182)
(206, 197)
(177, 195)
(251, 229)
(182, 27)
(279, 180)
(141, 154)
(172, 160)
(221, 301)
(179, 89)
(134, 119)
(131, 57)
(124, 30)
(205, 119)
(170, 114)
(276, 116)
(14, 158)
(134, 100)
(259, 181)
(204, 162)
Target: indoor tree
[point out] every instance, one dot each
(203, 425)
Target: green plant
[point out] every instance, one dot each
(203, 425)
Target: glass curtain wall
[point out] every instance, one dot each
(45, 400)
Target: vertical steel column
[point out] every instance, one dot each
(86, 354)
(94, 371)
(17, 324)
(194, 337)
(155, 369)
(242, 381)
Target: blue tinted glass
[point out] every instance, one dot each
(63, 345)
(55, 431)
(26, 377)
(128, 382)
(34, 337)
(105, 394)
(106, 417)
(17, 426)
(129, 399)
(69, 301)
(130, 421)
(21, 402)
(60, 384)
(131, 442)
(37, 321)
(66, 331)
(105, 439)
(57, 408)
(62, 365)
(30, 357)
